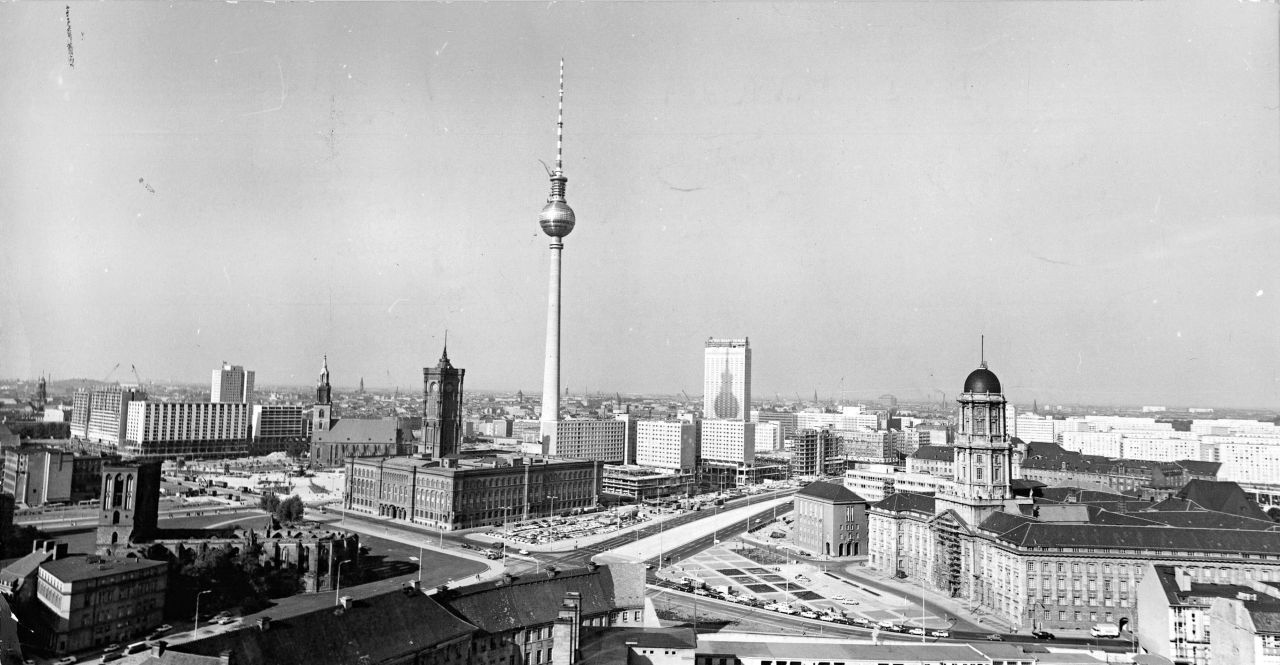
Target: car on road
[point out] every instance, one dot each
(1042, 635)
(65, 661)
(524, 552)
(163, 629)
(809, 614)
(995, 637)
(940, 633)
(859, 621)
(916, 631)
(112, 647)
(114, 655)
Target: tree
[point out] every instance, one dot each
(269, 502)
(290, 510)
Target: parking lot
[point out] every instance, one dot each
(743, 572)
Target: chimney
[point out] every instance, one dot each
(264, 624)
(564, 633)
(60, 551)
(345, 601)
(157, 648)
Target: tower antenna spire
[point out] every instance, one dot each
(982, 350)
(560, 124)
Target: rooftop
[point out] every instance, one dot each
(830, 492)
(77, 568)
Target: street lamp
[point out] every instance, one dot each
(197, 626)
(506, 510)
(553, 505)
(338, 582)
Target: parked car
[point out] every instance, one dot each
(1042, 634)
(940, 633)
(68, 660)
(916, 631)
(524, 552)
(995, 637)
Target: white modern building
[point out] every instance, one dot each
(188, 429)
(726, 388)
(231, 384)
(667, 444)
(728, 441)
(598, 440)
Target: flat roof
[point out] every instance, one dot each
(80, 567)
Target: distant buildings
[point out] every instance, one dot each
(232, 384)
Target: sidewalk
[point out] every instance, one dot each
(976, 621)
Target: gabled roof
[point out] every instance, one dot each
(359, 430)
(1220, 496)
(1200, 468)
(901, 502)
(1170, 540)
(380, 628)
(937, 453)
(496, 607)
(24, 567)
(830, 492)
(1265, 616)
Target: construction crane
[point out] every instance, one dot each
(135, 375)
(111, 373)
(686, 395)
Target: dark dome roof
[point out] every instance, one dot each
(982, 380)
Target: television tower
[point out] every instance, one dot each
(557, 221)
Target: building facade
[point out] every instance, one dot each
(186, 429)
(232, 384)
(102, 414)
(667, 444)
(465, 493)
(40, 475)
(92, 601)
(830, 521)
(726, 385)
(598, 440)
(278, 428)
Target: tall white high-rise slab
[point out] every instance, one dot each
(557, 221)
(231, 384)
(726, 388)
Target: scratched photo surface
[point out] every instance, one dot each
(863, 189)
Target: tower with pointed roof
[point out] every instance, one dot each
(557, 221)
(442, 408)
(322, 412)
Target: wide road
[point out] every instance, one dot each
(746, 618)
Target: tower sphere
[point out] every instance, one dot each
(557, 218)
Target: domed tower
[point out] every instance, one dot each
(557, 221)
(322, 411)
(984, 455)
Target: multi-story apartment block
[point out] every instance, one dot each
(1176, 613)
(786, 420)
(598, 440)
(769, 436)
(667, 444)
(934, 460)
(1104, 444)
(817, 453)
(728, 441)
(469, 492)
(278, 428)
(232, 384)
(189, 429)
(102, 414)
(644, 483)
(875, 482)
(726, 387)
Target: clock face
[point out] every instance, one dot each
(448, 387)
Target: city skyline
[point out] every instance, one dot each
(861, 189)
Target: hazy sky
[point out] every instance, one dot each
(861, 188)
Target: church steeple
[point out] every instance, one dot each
(324, 393)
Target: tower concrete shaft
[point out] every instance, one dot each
(551, 366)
